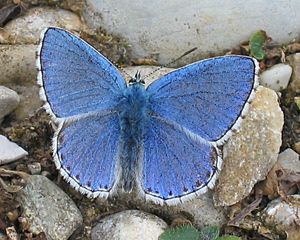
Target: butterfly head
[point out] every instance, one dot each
(137, 79)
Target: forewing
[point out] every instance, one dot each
(75, 78)
(177, 164)
(207, 97)
(86, 151)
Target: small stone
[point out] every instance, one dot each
(34, 168)
(9, 100)
(10, 151)
(289, 160)
(30, 101)
(252, 151)
(277, 77)
(12, 233)
(203, 211)
(48, 209)
(13, 215)
(129, 225)
(283, 215)
(27, 29)
(294, 61)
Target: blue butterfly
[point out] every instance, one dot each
(162, 141)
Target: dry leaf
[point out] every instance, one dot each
(293, 48)
(246, 211)
(40, 236)
(145, 61)
(293, 234)
(269, 187)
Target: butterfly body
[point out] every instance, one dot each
(134, 115)
(162, 140)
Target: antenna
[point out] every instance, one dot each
(122, 70)
(168, 64)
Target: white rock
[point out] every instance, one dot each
(48, 209)
(283, 216)
(9, 100)
(129, 225)
(27, 29)
(10, 151)
(277, 77)
(170, 28)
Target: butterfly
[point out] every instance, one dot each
(162, 141)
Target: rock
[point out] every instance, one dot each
(9, 100)
(48, 209)
(202, 210)
(129, 225)
(13, 215)
(10, 151)
(27, 29)
(18, 64)
(12, 233)
(30, 101)
(34, 168)
(294, 61)
(18, 72)
(289, 160)
(283, 215)
(170, 28)
(249, 154)
(277, 77)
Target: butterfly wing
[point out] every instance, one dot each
(207, 97)
(193, 111)
(86, 151)
(75, 78)
(82, 90)
(177, 164)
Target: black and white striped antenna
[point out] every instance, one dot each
(160, 67)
